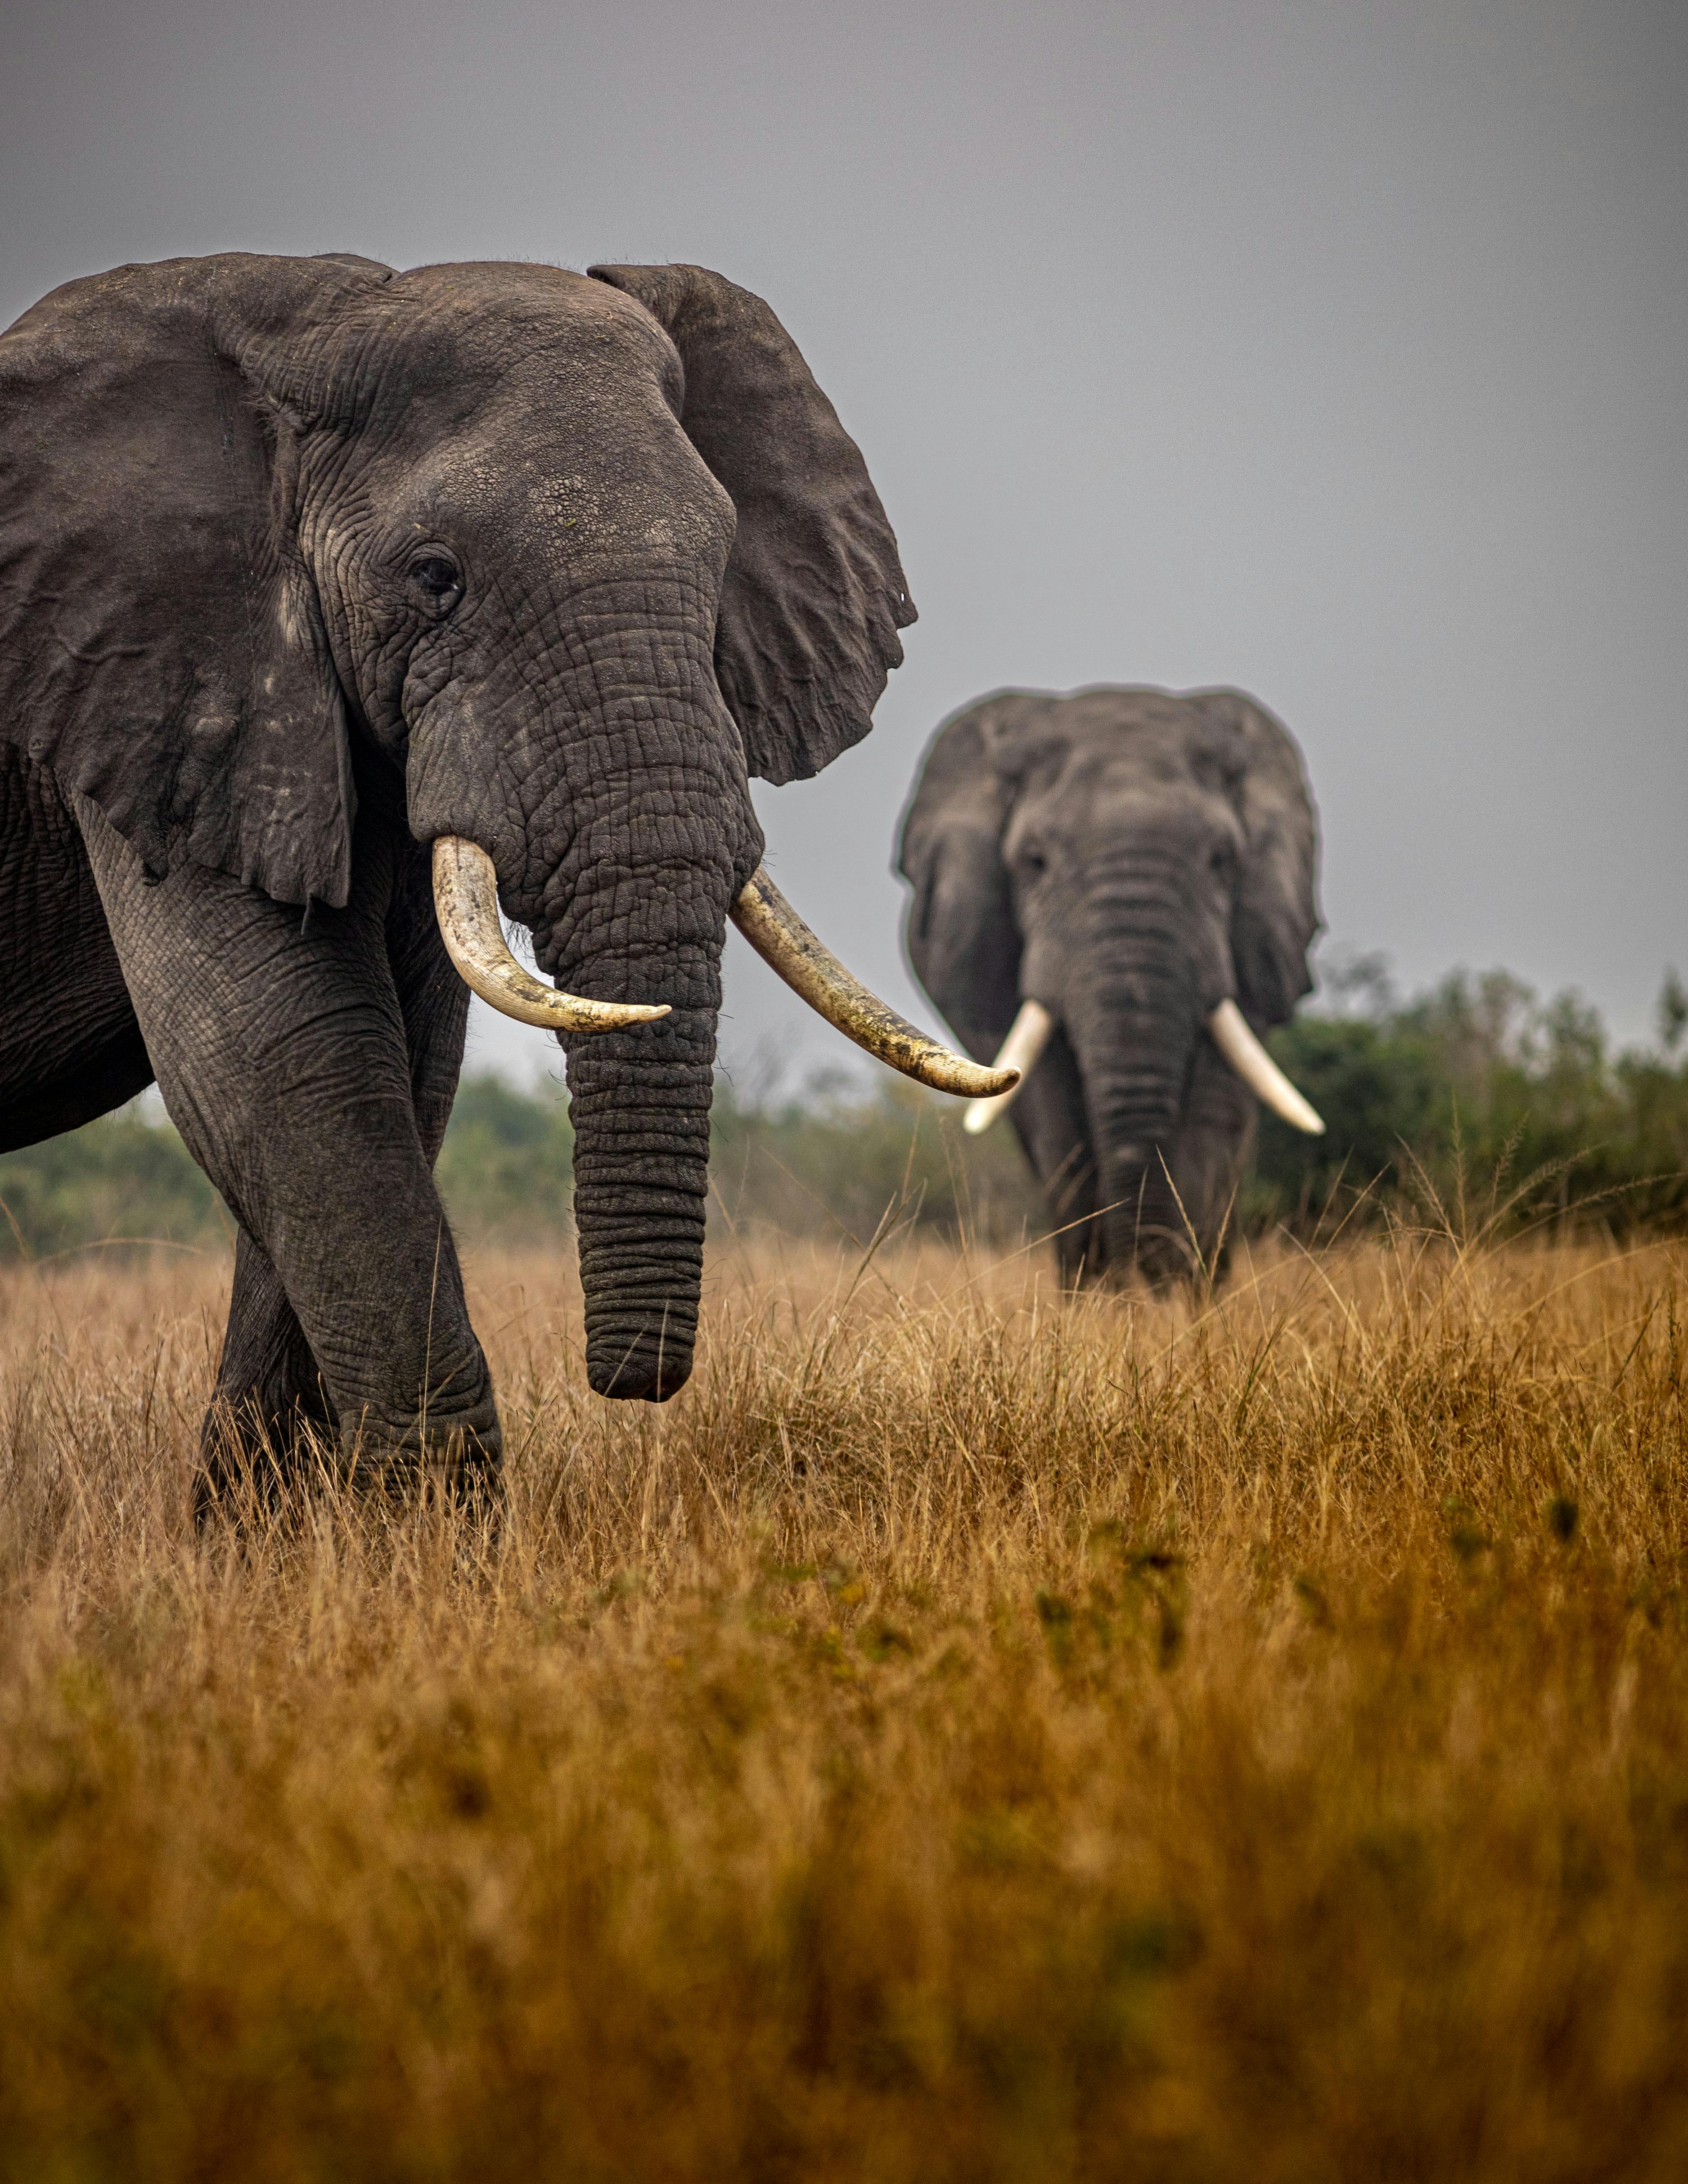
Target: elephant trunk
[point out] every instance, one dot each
(641, 1108)
(618, 829)
(1135, 1028)
(644, 922)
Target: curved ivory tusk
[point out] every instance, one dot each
(782, 940)
(1258, 1071)
(467, 905)
(1028, 1037)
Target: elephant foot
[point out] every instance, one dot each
(255, 1459)
(456, 1463)
(256, 1453)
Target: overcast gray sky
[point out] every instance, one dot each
(1340, 351)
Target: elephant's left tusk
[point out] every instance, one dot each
(782, 940)
(1229, 1027)
(467, 905)
(1028, 1037)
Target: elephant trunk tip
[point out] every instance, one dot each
(648, 1366)
(641, 1380)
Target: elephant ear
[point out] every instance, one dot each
(1276, 913)
(963, 942)
(161, 645)
(814, 594)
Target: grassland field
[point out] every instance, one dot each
(971, 1733)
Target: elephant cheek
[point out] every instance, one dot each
(448, 782)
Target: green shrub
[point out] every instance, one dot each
(1479, 1102)
(506, 1170)
(124, 1179)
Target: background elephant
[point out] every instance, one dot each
(307, 566)
(1131, 860)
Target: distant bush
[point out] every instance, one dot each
(834, 1158)
(504, 1170)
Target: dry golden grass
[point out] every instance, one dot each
(968, 1735)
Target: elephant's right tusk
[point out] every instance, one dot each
(1230, 1034)
(785, 944)
(467, 905)
(1028, 1037)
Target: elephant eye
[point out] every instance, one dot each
(439, 580)
(1034, 861)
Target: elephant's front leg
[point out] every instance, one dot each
(284, 1061)
(1216, 1136)
(269, 1385)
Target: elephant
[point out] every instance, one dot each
(1114, 891)
(342, 609)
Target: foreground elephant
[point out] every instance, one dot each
(315, 578)
(1110, 888)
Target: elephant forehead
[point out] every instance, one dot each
(488, 320)
(1152, 770)
(1172, 744)
(531, 400)
(1097, 802)
(527, 483)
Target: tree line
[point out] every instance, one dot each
(1476, 1105)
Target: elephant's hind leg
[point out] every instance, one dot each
(269, 1404)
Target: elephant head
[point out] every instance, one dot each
(1115, 892)
(551, 562)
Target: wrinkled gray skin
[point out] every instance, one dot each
(1130, 858)
(305, 563)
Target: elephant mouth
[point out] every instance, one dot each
(467, 905)
(1226, 1027)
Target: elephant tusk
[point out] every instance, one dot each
(1258, 1071)
(784, 943)
(467, 905)
(1028, 1037)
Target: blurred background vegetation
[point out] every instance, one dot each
(1476, 1102)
